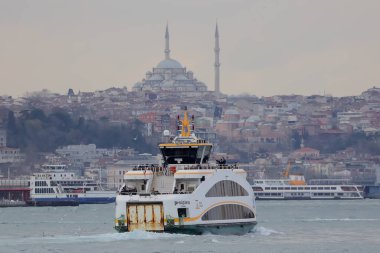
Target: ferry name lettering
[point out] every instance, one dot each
(182, 202)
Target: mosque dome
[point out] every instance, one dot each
(169, 64)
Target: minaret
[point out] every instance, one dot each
(217, 63)
(167, 50)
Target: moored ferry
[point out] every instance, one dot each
(187, 194)
(58, 186)
(296, 188)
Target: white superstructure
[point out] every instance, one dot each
(57, 184)
(187, 194)
(287, 189)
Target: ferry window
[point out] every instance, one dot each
(320, 188)
(307, 188)
(226, 188)
(313, 188)
(227, 212)
(143, 187)
(273, 188)
(294, 188)
(287, 188)
(257, 188)
(182, 212)
(267, 188)
(280, 188)
(333, 188)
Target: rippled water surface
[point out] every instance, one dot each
(283, 226)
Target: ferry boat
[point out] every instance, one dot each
(187, 194)
(295, 187)
(57, 186)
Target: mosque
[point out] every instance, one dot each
(169, 75)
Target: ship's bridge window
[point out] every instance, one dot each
(227, 212)
(186, 155)
(226, 188)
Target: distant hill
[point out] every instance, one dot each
(33, 131)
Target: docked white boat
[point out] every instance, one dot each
(296, 188)
(186, 194)
(57, 186)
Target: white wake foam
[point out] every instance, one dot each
(265, 231)
(109, 237)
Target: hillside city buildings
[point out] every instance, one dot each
(264, 133)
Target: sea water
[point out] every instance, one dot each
(283, 226)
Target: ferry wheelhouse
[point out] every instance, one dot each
(187, 194)
(58, 186)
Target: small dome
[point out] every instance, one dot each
(137, 85)
(156, 77)
(167, 84)
(180, 77)
(169, 64)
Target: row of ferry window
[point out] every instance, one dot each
(226, 188)
(228, 212)
(44, 190)
(300, 188)
(41, 183)
(299, 194)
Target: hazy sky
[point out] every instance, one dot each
(267, 47)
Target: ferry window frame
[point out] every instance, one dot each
(183, 212)
(228, 212)
(226, 188)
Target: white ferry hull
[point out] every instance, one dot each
(161, 213)
(167, 222)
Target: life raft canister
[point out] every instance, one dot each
(173, 169)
